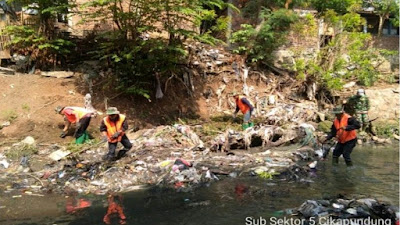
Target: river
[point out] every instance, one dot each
(376, 174)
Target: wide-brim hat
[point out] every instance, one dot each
(112, 111)
(337, 110)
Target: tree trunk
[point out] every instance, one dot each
(381, 20)
(288, 3)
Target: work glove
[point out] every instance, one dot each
(104, 139)
(63, 134)
(116, 135)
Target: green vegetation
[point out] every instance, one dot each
(25, 107)
(384, 9)
(129, 50)
(267, 175)
(9, 115)
(346, 56)
(386, 129)
(20, 150)
(149, 43)
(257, 44)
(40, 41)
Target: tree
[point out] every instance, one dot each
(148, 38)
(339, 6)
(384, 8)
(47, 13)
(258, 44)
(40, 41)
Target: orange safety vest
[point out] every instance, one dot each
(344, 136)
(112, 128)
(243, 107)
(82, 112)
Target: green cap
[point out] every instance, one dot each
(112, 111)
(337, 110)
(58, 109)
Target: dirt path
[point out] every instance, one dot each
(29, 102)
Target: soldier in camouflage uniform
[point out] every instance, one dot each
(359, 106)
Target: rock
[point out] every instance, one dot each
(311, 208)
(349, 85)
(5, 124)
(7, 71)
(344, 202)
(367, 201)
(28, 140)
(384, 66)
(283, 59)
(58, 74)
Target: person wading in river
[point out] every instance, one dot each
(78, 116)
(344, 129)
(245, 107)
(113, 128)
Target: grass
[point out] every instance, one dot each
(9, 115)
(25, 107)
(21, 150)
(74, 148)
(267, 175)
(386, 128)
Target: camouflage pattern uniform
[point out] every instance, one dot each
(360, 106)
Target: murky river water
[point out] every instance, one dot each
(376, 174)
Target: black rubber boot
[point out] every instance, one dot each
(121, 153)
(349, 163)
(335, 160)
(108, 157)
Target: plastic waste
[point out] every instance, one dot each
(351, 211)
(337, 206)
(311, 208)
(313, 165)
(4, 163)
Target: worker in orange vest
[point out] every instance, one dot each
(245, 107)
(113, 128)
(80, 117)
(344, 129)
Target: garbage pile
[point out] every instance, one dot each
(284, 113)
(173, 137)
(209, 60)
(264, 136)
(346, 211)
(173, 156)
